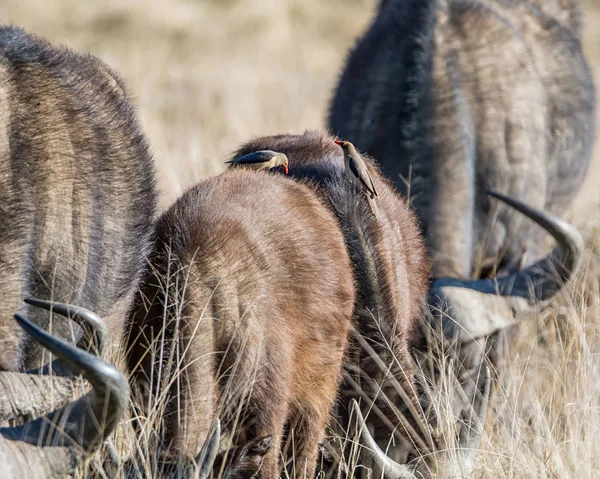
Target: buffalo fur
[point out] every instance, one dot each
(260, 294)
(388, 257)
(454, 97)
(77, 193)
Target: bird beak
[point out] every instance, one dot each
(338, 142)
(286, 170)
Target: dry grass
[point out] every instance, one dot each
(208, 75)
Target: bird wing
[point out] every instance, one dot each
(252, 158)
(367, 182)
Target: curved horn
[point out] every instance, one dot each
(508, 297)
(564, 260)
(206, 458)
(94, 328)
(55, 390)
(73, 430)
(469, 438)
(390, 468)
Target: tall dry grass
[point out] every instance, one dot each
(209, 74)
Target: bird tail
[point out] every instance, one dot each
(373, 206)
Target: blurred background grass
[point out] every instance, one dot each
(207, 75)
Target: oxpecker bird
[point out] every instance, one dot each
(264, 159)
(356, 168)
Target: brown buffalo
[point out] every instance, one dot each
(244, 317)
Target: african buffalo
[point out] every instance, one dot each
(391, 272)
(243, 317)
(77, 192)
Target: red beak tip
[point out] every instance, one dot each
(338, 142)
(286, 170)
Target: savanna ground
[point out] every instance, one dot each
(207, 75)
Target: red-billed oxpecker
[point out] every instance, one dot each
(357, 171)
(264, 159)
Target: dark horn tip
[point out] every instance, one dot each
(39, 303)
(64, 309)
(94, 369)
(28, 326)
(509, 200)
(505, 198)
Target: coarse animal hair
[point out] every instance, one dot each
(77, 191)
(390, 268)
(251, 292)
(455, 98)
